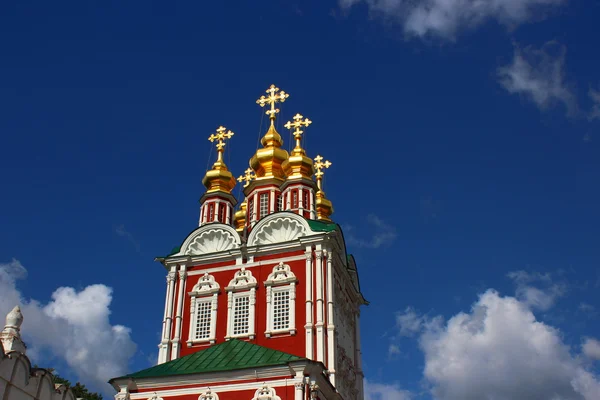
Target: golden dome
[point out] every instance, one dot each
(219, 179)
(324, 207)
(267, 161)
(298, 165)
(239, 218)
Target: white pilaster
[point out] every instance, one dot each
(313, 213)
(228, 214)
(180, 299)
(163, 352)
(320, 306)
(300, 200)
(299, 392)
(255, 206)
(330, 324)
(272, 204)
(309, 305)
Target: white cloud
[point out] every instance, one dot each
(380, 391)
(534, 297)
(384, 234)
(500, 351)
(538, 75)
(74, 326)
(445, 19)
(121, 231)
(409, 323)
(595, 111)
(393, 350)
(591, 348)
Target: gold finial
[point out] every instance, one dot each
(221, 135)
(274, 96)
(248, 176)
(319, 165)
(297, 124)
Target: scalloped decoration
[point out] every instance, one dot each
(211, 241)
(280, 230)
(266, 393)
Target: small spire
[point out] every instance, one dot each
(296, 125)
(219, 179)
(11, 334)
(319, 165)
(274, 96)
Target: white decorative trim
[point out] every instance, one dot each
(243, 284)
(210, 239)
(266, 393)
(309, 305)
(280, 280)
(277, 228)
(205, 291)
(208, 395)
(155, 397)
(178, 317)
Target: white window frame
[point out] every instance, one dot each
(281, 279)
(263, 206)
(242, 284)
(206, 290)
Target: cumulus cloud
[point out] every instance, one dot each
(498, 350)
(529, 292)
(595, 111)
(445, 19)
(538, 75)
(409, 323)
(591, 348)
(73, 326)
(381, 391)
(384, 234)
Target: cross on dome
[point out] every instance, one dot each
(319, 166)
(220, 136)
(248, 177)
(274, 96)
(296, 125)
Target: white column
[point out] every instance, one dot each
(300, 200)
(229, 315)
(299, 392)
(216, 213)
(228, 214)
(163, 353)
(330, 324)
(288, 199)
(309, 305)
(272, 204)
(180, 298)
(293, 308)
(269, 311)
(313, 213)
(320, 306)
(251, 314)
(255, 206)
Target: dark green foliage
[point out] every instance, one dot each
(79, 390)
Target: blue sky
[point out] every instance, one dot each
(465, 144)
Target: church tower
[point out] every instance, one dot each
(262, 302)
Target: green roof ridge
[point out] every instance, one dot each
(228, 356)
(320, 226)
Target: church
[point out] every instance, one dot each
(262, 299)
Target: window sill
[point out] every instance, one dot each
(281, 332)
(191, 343)
(250, 336)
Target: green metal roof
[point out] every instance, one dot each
(318, 226)
(227, 356)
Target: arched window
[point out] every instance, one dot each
(281, 300)
(203, 311)
(241, 299)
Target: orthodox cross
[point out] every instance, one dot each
(221, 135)
(248, 176)
(319, 165)
(274, 96)
(297, 124)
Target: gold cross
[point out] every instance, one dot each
(274, 96)
(221, 135)
(248, 176)
(319, 165)
(297, 124)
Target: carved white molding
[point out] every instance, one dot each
(206, 285)
(155, 397)
(282, 273)
(266, 393)
(277, 229)
(211, 241)
(242, 279)
(208, 395)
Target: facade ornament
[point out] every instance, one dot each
(208, 395)
(123, 394)
(11, 334)
(282, 273)
(155, 397)
(247, 177)
(314, 391)
(242, 279)
(171, 276)
(206, 285)
(266, 393)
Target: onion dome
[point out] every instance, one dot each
(267, 161)
(239, 218)
(219, 179)
(298, 165)
(324, 207)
